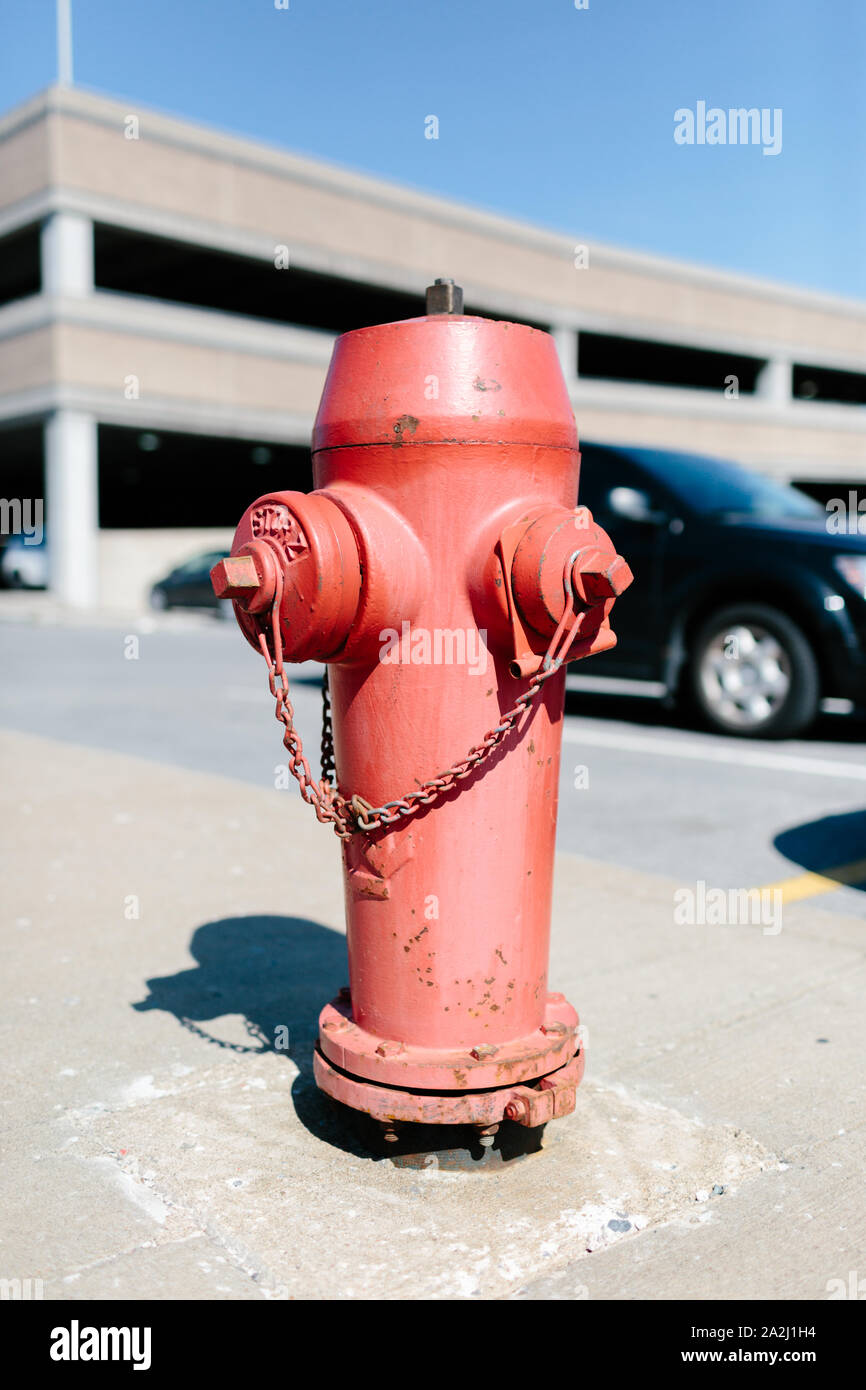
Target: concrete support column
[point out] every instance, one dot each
(67, 254)
(566, 346)
(775, 381)
(72, 506)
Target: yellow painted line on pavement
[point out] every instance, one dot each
(810, 885)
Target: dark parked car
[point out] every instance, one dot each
(24, 563)
(746, 600)
(189, 586)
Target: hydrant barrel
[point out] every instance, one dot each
(465, 961)
(465, 578)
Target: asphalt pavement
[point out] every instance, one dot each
(637, 788)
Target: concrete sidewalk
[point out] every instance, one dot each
(160, 924)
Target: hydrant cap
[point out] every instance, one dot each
(445, 378)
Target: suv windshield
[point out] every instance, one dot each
(714, 487)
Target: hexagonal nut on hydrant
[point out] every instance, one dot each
(517, 1110)
(600, 576)
(248, 579)
(235, 577)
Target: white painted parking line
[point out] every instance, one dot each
(656, 690)
(614, 685)
(711, 753)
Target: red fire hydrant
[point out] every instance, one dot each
(444, 575)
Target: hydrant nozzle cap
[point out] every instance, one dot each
(444, 297)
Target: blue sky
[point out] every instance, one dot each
(551, 114)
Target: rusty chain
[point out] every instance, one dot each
(348, 815)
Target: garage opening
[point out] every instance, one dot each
(130, 262)
(826, 384)
(608, 357)
(20, 271)
(161, 478)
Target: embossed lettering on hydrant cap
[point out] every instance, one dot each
(274, 521)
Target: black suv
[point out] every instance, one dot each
(749, 598)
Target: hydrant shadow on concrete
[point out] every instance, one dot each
(274, 972)
(834, 846)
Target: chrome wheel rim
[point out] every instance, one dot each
(745, 675)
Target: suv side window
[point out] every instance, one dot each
(603, 469)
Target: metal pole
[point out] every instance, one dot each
(64, 43)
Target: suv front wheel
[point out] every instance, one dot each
(753, 673)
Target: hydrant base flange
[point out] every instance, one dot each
(440, 1085)
(547, 1098)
